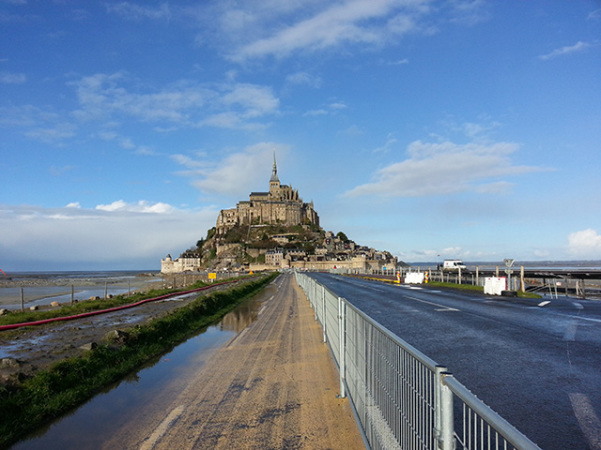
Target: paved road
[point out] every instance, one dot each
(538, 366)
(273, 386)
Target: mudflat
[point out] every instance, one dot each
(273, 386)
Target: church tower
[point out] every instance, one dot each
(274, 182)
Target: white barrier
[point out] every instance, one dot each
(414, 278)
(495, 285)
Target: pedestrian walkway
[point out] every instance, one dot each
(274, 386)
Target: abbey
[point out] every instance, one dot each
(282, 205)
(274, 230)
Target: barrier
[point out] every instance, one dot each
(402, 398)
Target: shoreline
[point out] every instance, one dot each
(41, 289)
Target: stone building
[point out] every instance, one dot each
(187, 262)
(281, 205)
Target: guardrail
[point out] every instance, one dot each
(402, 398)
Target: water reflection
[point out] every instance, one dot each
(151, 388)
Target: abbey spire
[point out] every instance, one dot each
(274, 182)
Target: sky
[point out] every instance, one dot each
(463, 129)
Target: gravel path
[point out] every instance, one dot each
(273, 386)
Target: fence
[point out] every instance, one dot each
(402, 398)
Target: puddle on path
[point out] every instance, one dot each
(156, 385)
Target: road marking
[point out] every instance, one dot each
(570, 334)
(590, 424)
(162, 428)
(440, 307)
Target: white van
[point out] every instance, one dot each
(453, 264)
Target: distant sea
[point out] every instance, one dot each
(566, 265)
(42, 288)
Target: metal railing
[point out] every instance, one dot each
(402, 398)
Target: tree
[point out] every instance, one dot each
(342, 236)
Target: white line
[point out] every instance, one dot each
(570, 334)
(590, 424)
(442, 307)
(162, 428)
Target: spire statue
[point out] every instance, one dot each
(274, 172)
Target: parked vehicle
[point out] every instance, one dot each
(453, 265)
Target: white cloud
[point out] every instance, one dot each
(76, 237)
(185, 104)
(41, 124)
(594, 15)
(132, 11)
(55, 134)
(566, 50)
(254, 100)
(321, 25)
(236, 174)
(304, 78)
(585, 244)
(446, 168)
(12, 78)
(388, 145)
(141, 206)
(331, 108)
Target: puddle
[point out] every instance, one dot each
(152, 387)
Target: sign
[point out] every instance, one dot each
(212, 276)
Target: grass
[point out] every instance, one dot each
(464, 287)
(71, 382)
(471, 287)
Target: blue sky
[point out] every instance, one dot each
(468, 129)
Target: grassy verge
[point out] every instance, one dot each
(71, 382)
(464, 287)
(470, 287)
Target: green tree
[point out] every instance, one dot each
(342, 236)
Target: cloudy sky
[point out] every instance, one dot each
(431, 129)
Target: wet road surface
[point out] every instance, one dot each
(537, 366)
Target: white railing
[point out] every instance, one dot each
(402, 398)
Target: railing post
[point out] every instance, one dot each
(447, 438)
(438, 371)
(323, 315)
(342, 346)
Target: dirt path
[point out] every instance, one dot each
(274, 386)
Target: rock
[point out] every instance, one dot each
(13, 379)
(95, 298)
(117, 336)
(4, 311)
(89, 346)
(9, 363)
(33, 308)
(55, 304)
